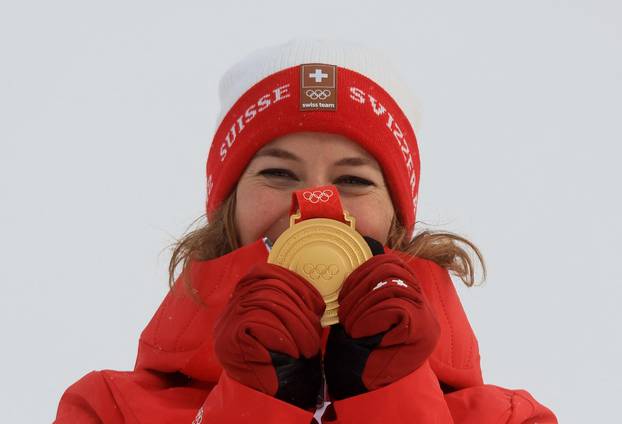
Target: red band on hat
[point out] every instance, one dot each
(366, 114)
(318, 202)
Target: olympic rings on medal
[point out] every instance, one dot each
(318, 196)
(318, 94)
(317, 271)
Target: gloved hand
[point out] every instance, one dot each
(269, 335)
(386, 328)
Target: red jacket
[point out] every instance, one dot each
(177, 378)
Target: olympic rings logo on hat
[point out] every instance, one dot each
(318, 196)
(318, 94)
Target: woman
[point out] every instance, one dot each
(240, 340)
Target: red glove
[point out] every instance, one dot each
(268, 337)
(386, 331)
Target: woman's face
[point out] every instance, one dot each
(303, 160)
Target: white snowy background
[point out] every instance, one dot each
(106, 115)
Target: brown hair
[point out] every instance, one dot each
(212, 240)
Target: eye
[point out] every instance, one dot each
(353, 180)
(278, 173)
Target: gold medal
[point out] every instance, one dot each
(324, 252)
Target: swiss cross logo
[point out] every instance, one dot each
(318, 75)
(318, 87)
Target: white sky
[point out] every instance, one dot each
(106, 115)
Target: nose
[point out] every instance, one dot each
(317, 181)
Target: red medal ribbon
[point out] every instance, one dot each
(318, 202)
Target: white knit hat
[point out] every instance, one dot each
(366, 61)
